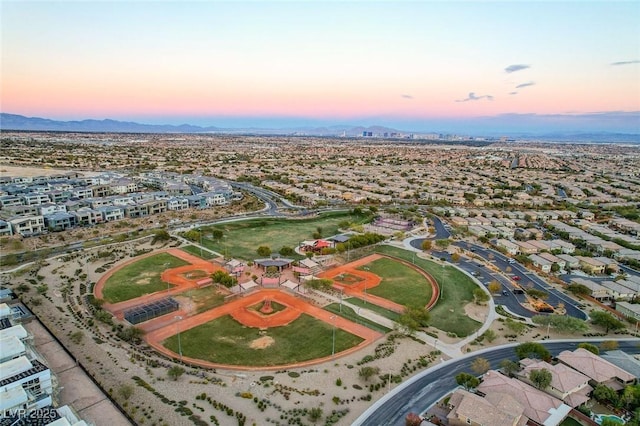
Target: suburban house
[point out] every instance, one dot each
(599, 370)
(111, 213)
(539, 407)
(591, 265)
(610, 264)
(510, 247)
(629, 310)
(59, 221)
(87, 216)
(618, 291)
(494, 409)
(567, 384)
(5, 228)
(554, 259)
(571, 262)
(598, 292)
(526, 248)
(177, 203)
(27, 225)
(541, 263)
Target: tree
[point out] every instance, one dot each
(609, 345)
(590, 347)
(541, 378)
(480, 365)
(125, 391)
(532, 350)
(426, 245)
(412, 419)
(368, 372)
(217, 234)
(443, 244)
(264, 251)
(494, 286)
(603, 393)
(490, 335)
(413, 318)
(315, 414)
(455, 257)
(286, 251)
(175, 372)
(509, 367)
(467, 381)
(160, 235)
(579, 289)
(480, 296)
(131, 334)
(606, 320)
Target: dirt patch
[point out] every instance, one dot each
(143, 281)
(262, 342)
(476, 312)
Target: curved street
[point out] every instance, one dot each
(425, 389)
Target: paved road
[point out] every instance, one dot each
(425, 389)
(512, 302)
(526, 277)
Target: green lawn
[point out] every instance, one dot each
(375, 308)
(226, 341)
(400, 283)
(139, 278)
(205, 298)
(351, 315)
(243, 238)
(204, 254)
(457, 290)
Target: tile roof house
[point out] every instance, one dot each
(567, 384)
(539, 407)
(599, 370)
(495, 409)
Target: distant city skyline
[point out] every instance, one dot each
(479, 67)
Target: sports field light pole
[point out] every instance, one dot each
(333, 343)
(366, 268)
(178, 318)
(166, 265)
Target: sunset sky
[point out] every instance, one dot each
(451, 66)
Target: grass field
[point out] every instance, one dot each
(400, 283)
(205, 298)
(226, 341)
(375, 308)
(206, 255)
(351, 315)
(456, 291)
(241, 239)
(139, 278)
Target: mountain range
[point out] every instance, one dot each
(23, 123)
